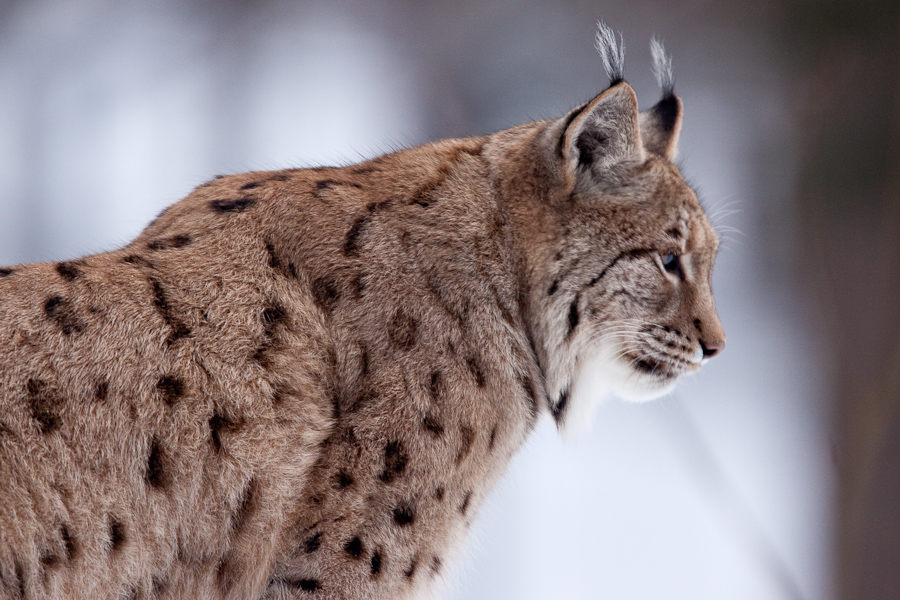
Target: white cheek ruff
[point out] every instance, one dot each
(604, 374)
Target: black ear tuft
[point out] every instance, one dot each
(612, 53)
(661, 124)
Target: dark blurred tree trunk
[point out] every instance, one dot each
(846, 56)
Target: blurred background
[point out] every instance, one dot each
(774, 473)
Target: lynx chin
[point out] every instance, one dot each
(303, 383)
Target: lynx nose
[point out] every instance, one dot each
(713, 348)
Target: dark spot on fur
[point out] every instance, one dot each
(308, 585)
(49, 559)
(219, 423)
(138, 261)
(6, 271)
(467, 436)
(101, 391)
(312, 543)
(155, 473)
(359, 285)
(232, 206)
(351, 243)
(171, 388)
(62, 313)
(553, 287)
(157, 585)
(343, 480)
(476, 370)
(435, 386)
(354, 547)
(326, 293)
(573, 317)
(492, 438)
(70, 546)
(395, 460)
(246, 506)
(436, 565)
(117, 535)
(423, 195)
(179, 329)
(67, 270)
(176, 241)
(439, 493)
(362, 170)
(376, 563)
(288, 270)
(327, 184)
(410, 571)
(673, 232)
(363, 361)
(559, 408)
(404, 515)
(274, 261)
(697, 325)
(44, 404)
(432, 425)
(403, 331)
(464, 506)
(272, 315)
(251, 186)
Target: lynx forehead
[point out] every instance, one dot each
(303, 383)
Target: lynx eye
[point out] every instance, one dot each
(672, 264)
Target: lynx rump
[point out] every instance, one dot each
(303, 383)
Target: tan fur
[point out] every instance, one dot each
(303, 383)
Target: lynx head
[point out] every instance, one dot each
(622, 251)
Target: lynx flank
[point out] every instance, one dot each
(303, 383)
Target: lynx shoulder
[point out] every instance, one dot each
(303, 383)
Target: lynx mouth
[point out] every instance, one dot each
(651, 366)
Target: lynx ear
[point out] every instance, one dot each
(661, 124)
(605, 132)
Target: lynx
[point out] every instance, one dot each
(303, 383)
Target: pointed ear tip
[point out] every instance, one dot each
(621, 87)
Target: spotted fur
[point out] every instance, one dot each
(303, 383)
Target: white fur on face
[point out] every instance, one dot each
(607, 373)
